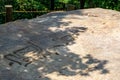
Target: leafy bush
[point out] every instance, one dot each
(38, 5)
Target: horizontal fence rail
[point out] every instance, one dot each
(9, 12)
(25, 12)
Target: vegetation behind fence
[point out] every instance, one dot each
(32, 8)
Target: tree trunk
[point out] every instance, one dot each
(52, 4)
(82, 3)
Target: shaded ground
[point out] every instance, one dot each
(74, 45)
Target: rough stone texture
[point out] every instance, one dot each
(74, 45)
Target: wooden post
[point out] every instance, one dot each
(8, 9)
(70, 7)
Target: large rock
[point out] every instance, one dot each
(73, 45)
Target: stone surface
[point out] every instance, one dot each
(72, 45)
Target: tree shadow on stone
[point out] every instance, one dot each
(45, 51)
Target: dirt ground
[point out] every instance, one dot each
(73, 45)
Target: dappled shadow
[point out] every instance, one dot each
(70, 64)
(38, 51)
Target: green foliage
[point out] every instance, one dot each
(64, 1)
(38, 5)
(26, 15)
(45, 4)
(108, 4)
(30, 5)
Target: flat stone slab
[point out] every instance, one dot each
(73, 45)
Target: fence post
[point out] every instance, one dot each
(8, 9)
